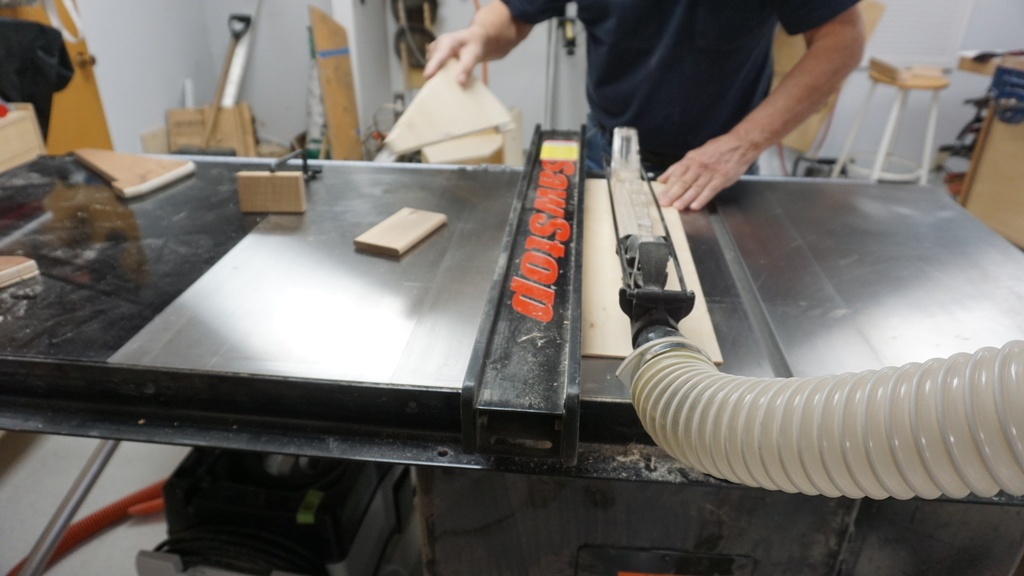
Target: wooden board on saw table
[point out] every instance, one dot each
(606, 331)
(443, 110)
(131, 175)
(337, 88)
(399, 232)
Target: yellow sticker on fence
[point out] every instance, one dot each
(560, 150)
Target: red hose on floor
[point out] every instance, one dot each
(149, 500)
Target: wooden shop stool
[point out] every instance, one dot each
(904, 80)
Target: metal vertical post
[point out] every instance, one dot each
(43, 549)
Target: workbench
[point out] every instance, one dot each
(173, 318)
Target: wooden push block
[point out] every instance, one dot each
(260, 191)
(399, 232)
(14, 269)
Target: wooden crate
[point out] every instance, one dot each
(994, 191)
(186, 128)
(21, 141)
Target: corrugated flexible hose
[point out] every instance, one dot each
(943, 427)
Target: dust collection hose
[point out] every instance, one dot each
(945, 427)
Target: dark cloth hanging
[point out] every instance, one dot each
(34, 64)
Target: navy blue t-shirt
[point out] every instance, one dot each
(680, 71)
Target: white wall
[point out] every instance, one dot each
(993, 24)
(144, 52)
(278, 65)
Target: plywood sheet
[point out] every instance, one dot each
(606, 331)
(399, 232)
(443, 110)
(131, 175)
(337, 87)
(482, 148)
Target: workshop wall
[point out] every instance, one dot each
(279, 63)
(144, 53)
(993, 24)
(147, 50)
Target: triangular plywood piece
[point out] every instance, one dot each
(337, 88)
(479, 148)
(133, 174)
(443, 110)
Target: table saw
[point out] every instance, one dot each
(174, 318)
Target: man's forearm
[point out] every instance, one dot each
(499, 31)
(833, 51)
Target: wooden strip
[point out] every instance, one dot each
(337, 88)
(401, 231)
(14, 269)
(606, 330)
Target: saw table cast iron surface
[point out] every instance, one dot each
(173, 318)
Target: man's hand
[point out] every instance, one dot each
(493, 33)
(833, 50)
(466, 46)
(704, 172)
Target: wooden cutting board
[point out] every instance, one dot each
(131, 175)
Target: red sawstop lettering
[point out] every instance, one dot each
(538, 267)
(555, 249)
(532, 292)
(532, 300)
(550, 201)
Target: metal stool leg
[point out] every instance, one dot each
(36, 561)
(887, 137)
(845, 154)
(929, 138)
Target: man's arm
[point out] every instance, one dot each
(834, 49)
(492, 34)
